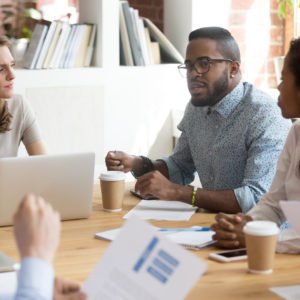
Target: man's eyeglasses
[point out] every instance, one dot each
(201, 65)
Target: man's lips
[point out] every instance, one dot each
(197, 86)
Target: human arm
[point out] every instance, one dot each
(36, 148)
(36, 229)
(265, 138)
(31, 135)
(228, 228)
(121, 161)
(285, 182)
(156, 184)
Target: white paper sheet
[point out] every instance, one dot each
(291, 210)
(162, 210)
(8, 285)
(291, 292)
(190, 239)
(142, 264)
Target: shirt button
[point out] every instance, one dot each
(216, 126)
(211, 178)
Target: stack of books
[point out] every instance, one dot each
(141, 42)
(59, 44)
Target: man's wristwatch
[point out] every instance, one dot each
(147, 167)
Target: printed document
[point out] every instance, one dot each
(162, 210)
(142, 264)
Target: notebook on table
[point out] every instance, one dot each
(64, 180)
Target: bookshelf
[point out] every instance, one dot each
(107, 106)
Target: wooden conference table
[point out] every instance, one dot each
(79, 252)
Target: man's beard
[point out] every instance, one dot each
(220, 88)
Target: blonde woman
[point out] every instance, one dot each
(17, 121)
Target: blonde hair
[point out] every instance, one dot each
(5, 115)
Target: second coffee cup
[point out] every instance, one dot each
(112, 185)
(261, 238)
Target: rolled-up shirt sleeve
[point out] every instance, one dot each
(285, 178)
(264, 143)
(35, 280)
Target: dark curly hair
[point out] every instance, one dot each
(294, 59)
(5, 115)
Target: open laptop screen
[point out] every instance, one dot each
(64, 180)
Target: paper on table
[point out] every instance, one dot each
(149, 267)
(291, 292)
(162, 210)
(108, 235)
(189, 239)
(291, 211)
(192, 239)
(8, 285)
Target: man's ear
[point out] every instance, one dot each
(235, 68)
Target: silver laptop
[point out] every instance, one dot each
(64, 180)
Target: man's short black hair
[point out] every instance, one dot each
(226, 44)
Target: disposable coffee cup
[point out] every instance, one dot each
(112, 185)
(261, 238)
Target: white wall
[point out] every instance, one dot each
(183, 16)
(127, 108)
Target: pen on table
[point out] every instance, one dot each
(185, 229)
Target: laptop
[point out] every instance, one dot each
(64, 180)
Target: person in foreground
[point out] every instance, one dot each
(286, 183)
(17, 121)
(37, 233)
(231, 134)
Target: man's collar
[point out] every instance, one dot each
(230, 101)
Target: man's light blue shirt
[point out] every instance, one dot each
(233, 145)
(35, 280)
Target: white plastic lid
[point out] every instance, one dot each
(261, 228)
(112, 176)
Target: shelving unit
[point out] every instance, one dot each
(109, 106)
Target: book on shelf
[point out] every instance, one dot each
(52, 44)
(141, 36)
(150, 51)
(91, 46)
(45, 46)
(72, 46)
(169, 54)
(61, 43)
(141, 41)
(35, 45)
(67, 46)
(83, 45)
(155, 52)
(125, 50)
(132, 34)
